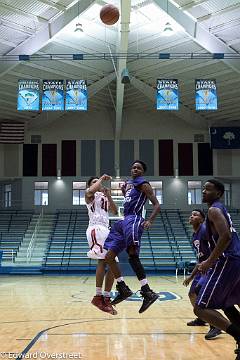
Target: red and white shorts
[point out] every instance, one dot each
(96, 236)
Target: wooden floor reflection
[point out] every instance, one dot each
(52, 318)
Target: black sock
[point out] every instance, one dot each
(233, 315)
(234, 331)
(145, 288)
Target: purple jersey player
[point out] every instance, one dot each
(221, 288)
(201, 246)
(126, 234)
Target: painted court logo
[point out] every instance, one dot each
(163, 296)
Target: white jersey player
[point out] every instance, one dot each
(99, 202)
(98, 227)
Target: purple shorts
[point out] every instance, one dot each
(197, 283)
(125, 233)
(221, 287)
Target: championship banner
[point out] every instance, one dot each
(28, 95)
(225, 137)
(76, 95)
(53, 95)
(167, 94)
(206, 94)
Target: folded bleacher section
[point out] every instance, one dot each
(13, 225)
(167, 242)
(67, 247)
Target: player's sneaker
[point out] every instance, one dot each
(149, 297)
(196, 322)
(123, 293)
(213, 333)
(109, 306)
(98, 301)
(102, 304)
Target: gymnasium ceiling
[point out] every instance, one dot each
(47, 27)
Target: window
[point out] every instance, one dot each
(157, 189)
(79, 188)
(194, 192)
(116, 191)
(8, 195)
(227, 194)
(41, 193)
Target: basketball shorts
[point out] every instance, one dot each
(197, 283)
(96, 236)
(125, 233)
(221, 287)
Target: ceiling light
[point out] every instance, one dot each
(168, 30)
(78, 27)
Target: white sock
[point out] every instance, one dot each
(106, 293)
(120, 279)
(98, 291)
(143, 282)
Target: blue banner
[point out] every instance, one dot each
(225, 137)
(28, 95)
(53, 95)
(76, 95)
(167, 94)
(206, 94)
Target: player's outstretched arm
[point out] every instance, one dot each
(148, 191)
(89, 195)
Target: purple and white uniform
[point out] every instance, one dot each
(221, 288)
(128, 231)
(201, 246)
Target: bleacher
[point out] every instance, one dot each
(67, 247)
(13, 225)
(163, 246)
(167, 243)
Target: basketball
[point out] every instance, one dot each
(109, 14)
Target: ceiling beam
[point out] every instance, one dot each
(35, 42)
(190, 117)
(201, 36)
(122, 63)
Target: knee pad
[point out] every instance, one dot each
(137, 267)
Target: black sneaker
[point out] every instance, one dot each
(213, 333)
(149, 297)
(123, 293)
(196, 322)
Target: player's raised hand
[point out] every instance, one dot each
(105, 177)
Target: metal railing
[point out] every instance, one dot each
(33, 238)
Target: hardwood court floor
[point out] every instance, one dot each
(52, 318)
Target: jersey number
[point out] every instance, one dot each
(104, 204)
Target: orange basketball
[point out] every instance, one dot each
(109, 14)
